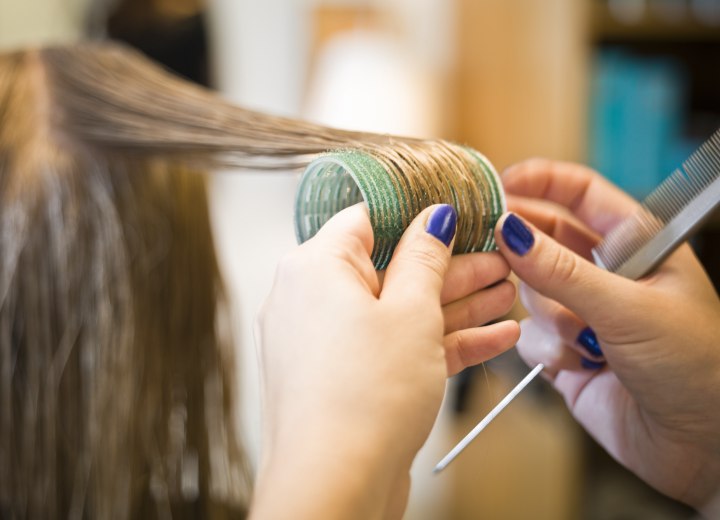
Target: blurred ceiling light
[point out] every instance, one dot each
(364, 80)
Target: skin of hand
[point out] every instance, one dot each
(353, 363)
(654, 404)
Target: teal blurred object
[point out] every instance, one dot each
(636, 119)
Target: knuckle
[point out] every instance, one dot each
(287, 264)
(350, 247)
(508, 290)
(429, 259)
(534, 164)
(293, 266)
(563, 267)
(459, 347)
(508, 295)
(346, 248)
(500, 268)
(466, 318)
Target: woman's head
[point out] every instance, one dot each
(115, 387)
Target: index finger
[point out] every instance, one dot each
(589, 196)
(471, 272)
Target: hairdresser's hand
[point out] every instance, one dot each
(654, 405)
(354, 369)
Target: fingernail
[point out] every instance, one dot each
(591, 365)
(517, 235)
(589, 342)
(442, 223)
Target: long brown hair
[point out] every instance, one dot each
(116, 394)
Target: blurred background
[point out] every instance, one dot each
(628, 86)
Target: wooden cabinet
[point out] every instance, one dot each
(521, 78)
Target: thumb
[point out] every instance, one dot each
(420, 261)
(348, 237)
(558, 273)
(352, 223)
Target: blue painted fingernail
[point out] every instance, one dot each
(589, 342)
(442, 223)
(591, 365)
(517, 235)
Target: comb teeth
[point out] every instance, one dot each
(671, 205)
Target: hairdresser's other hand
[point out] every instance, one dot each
(354, 369)
(653, 406)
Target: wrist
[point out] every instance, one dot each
(328, 473)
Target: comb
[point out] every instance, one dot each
(667, 217)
